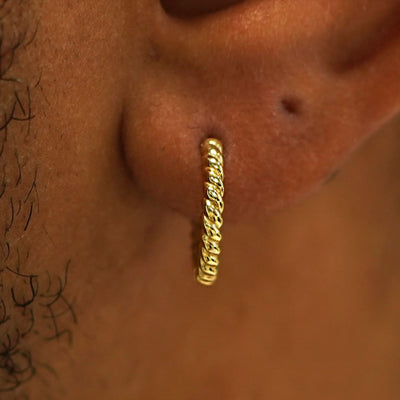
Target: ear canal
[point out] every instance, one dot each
(195, 8)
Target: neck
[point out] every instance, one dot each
(307, 301)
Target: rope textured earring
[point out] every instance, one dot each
(213, 204)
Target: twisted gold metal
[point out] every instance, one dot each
(207, 271)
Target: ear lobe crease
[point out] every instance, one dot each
(364, 42)
(365, 57)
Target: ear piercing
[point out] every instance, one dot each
(207, 270)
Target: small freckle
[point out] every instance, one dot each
(153, 53)
(291, 105)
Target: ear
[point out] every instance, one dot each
(291, 89)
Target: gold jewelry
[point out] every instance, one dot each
(207, 270)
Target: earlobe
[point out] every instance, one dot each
(256, 76)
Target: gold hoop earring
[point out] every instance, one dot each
(213, 203)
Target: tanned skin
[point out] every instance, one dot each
(103, 106)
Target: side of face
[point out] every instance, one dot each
(291, 89)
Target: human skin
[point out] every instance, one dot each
(103, 187)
